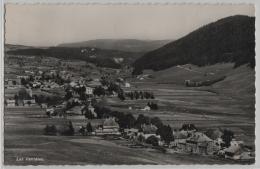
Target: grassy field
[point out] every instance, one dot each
(227, 104)
(24, 139)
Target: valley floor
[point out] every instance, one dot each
(24, 131)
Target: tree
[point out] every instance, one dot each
(24, 81)
(137, 71)
(68, 95)
(82, 96)
(89, 127)
(152, 96)
(141, 119)
(16, 99)
(157, 122)
(99, 91)
(152, 105)
(188, 127)
(68, 129)
(166, 133)
(136, 95)
(50, 130)
(121, 96)
(82, 130)
(128, 121)
(101, 111)
(23, 94)
(88, 114)
(227, 137)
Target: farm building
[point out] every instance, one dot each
(10, 102)
(149, 129)
(234, 150)
(44, 106)
(197, 143)
(127, 84)
(89, 90)
(29, 102)
(76, 110)
(146, 108)
(131, 133)
(90, 109)
(110, 127)
(50, 111)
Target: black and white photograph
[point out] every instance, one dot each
(129, 84)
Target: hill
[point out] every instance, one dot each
(238, 83)
(100, 57)
(231, 39)
(129, 45)
(9, 47)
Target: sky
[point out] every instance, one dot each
(50, 25)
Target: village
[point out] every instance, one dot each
(64, 92)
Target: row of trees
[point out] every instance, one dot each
(49, 100)
(112, 87)
(84, 130)
(139, 95)
(66, 129)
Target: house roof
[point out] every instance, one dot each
(233, 149)
(110, 122)
(149, 128)
(10, 101)
(199, 137)
(75, 109)
(180, 134)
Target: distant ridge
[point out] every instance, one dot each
(230, 39)
(99, 57)
(129, 45)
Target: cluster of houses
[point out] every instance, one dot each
(195, 142)
(27, 101)
(109, 127)
(188, 142)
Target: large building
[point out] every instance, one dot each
(110, 127)
(89, 90)
(10, 102)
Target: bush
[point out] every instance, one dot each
(227, 137)
(89, 127)
(50, 130)
(188, 127)
(67, 130)
(166, 133)
(152, 140)
(157, 122)
(141, 119)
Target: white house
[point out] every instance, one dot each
(89, 90)
(146, 108)
(29, 102)
(10, 102)
(127, 84)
